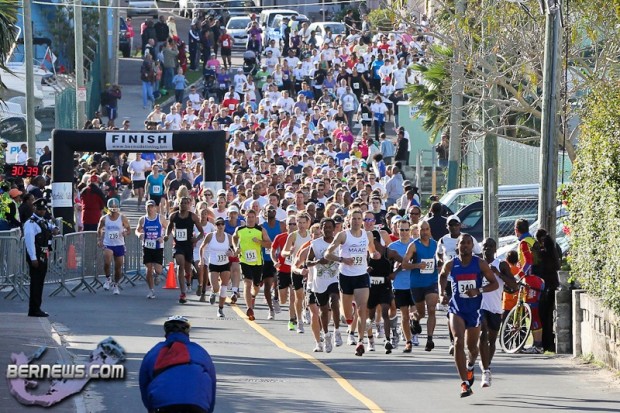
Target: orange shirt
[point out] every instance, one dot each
(510, 300)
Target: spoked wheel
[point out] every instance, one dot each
(515, 330)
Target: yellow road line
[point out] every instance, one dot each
(372, 406)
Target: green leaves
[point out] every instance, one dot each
(8, 17)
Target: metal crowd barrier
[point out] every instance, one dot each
(75, 263)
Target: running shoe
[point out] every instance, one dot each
(151, 295)
(212, 298)
(116, 290)
(337, 338)
(359, 350)
(276, 306)
(408, 347)
(533, 350)
(380, 331)
(415, 340)
(156, 279)
(351, 340)
(291, 326)
(451, 350)
(300, 328)
(182, 298)
(250, 314)
(203, 298)
(318, 348)
(106, 284)
(234, 297)
(371, 344)
(199, 290)
(388, 347)
(271, 315)
(466, 390)
(486, 379)
(395, 341)
(470, 375)
(429, 345)
(306, 316)
(220, 312)
(415, 326)
(329, 342)
(189, 287)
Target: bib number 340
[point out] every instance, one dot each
(464, 286)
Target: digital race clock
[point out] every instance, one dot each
(21, 171)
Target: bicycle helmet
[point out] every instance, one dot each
(113, 204)
(177, 323)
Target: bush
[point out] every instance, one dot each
(382, 19)
(594, 202)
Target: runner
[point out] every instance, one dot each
(206, 215)
(182, 222)
(219, 247)
(111, 232)
(248, 241)
(233, 222)
(155, 188)
(355, 244)
(492, 308)
(402, 284)
(273, 228)
(137, 168)
(284, 270)
(150, 230)
(420, 259)
(466, 272)
(293, 245)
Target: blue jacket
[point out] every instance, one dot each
(190, 382)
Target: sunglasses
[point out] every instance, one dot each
(292, 224)
(403, 229)
(454, 224)
(369, 220)
(219, 224)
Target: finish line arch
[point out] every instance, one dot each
(65, 142)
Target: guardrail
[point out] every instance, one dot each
(75, 263)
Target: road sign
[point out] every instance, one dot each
(81, 94)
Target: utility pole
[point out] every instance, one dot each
(104, 52)
(549, 126)
(115, 32)
(29, 63)
(489, 119)
(456, 106)
(80, 84)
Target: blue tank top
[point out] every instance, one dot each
(426, 255)
(272, 232)
(402, 280)
(152, 231)
(464, 278)
(230, 229)
(156, 184)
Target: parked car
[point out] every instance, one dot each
(321, 27)
(142, 8)
(509, 210)
(273, 32)
(124, 45)
(236, 29)
(268, 15)
(238, 8)
(458, 198)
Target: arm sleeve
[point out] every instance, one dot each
(528, 259)
(29, 233)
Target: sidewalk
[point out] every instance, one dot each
(26, 334)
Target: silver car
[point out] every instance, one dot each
(236, 29)
(142, 8)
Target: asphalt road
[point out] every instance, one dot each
(261, 366)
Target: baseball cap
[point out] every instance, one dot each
(453, 218)
(94, 178)
(289, 195)
(14, 193)
(291, 208)
(150, 202)
(221, 192)
(395, 219)
(279, 186)
(320, 206)
(338, 219)
(310, 148)
(233, 208)
(40, 204)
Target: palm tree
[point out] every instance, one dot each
(8, 18)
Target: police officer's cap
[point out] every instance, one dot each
(40, 204)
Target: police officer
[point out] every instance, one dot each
(37, 235)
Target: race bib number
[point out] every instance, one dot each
(231, 107)
(288, 260)
(356, 85)
(222, 85)
(348, 107)
(285, 77)
(358, 260)
(181, 234)
(298, 176)
(365, 116)
(377, 280)
(225, 43)
(429, 266)
(222, 259)
(156, 189)
(464, 286)
(250, 256)
(114, 235)
(150, 244)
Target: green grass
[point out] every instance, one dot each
(191, 77)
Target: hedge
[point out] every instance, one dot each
(594, 202)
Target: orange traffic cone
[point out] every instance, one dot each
(171, 278)
(71, 258)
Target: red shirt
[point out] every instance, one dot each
(278, 244)
(92, 205)
(227, 41)
(230, 103)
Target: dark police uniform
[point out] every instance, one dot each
(37, 236)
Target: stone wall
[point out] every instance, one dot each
(563, 321)
(596, 330)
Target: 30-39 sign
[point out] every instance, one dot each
(21, 171)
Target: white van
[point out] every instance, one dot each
(13, 131)
(267, 16)
(458, 198)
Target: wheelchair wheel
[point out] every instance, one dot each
(515, 330)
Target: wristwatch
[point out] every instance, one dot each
(481, 290)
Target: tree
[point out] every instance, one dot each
(8, 17)
(515, 38)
